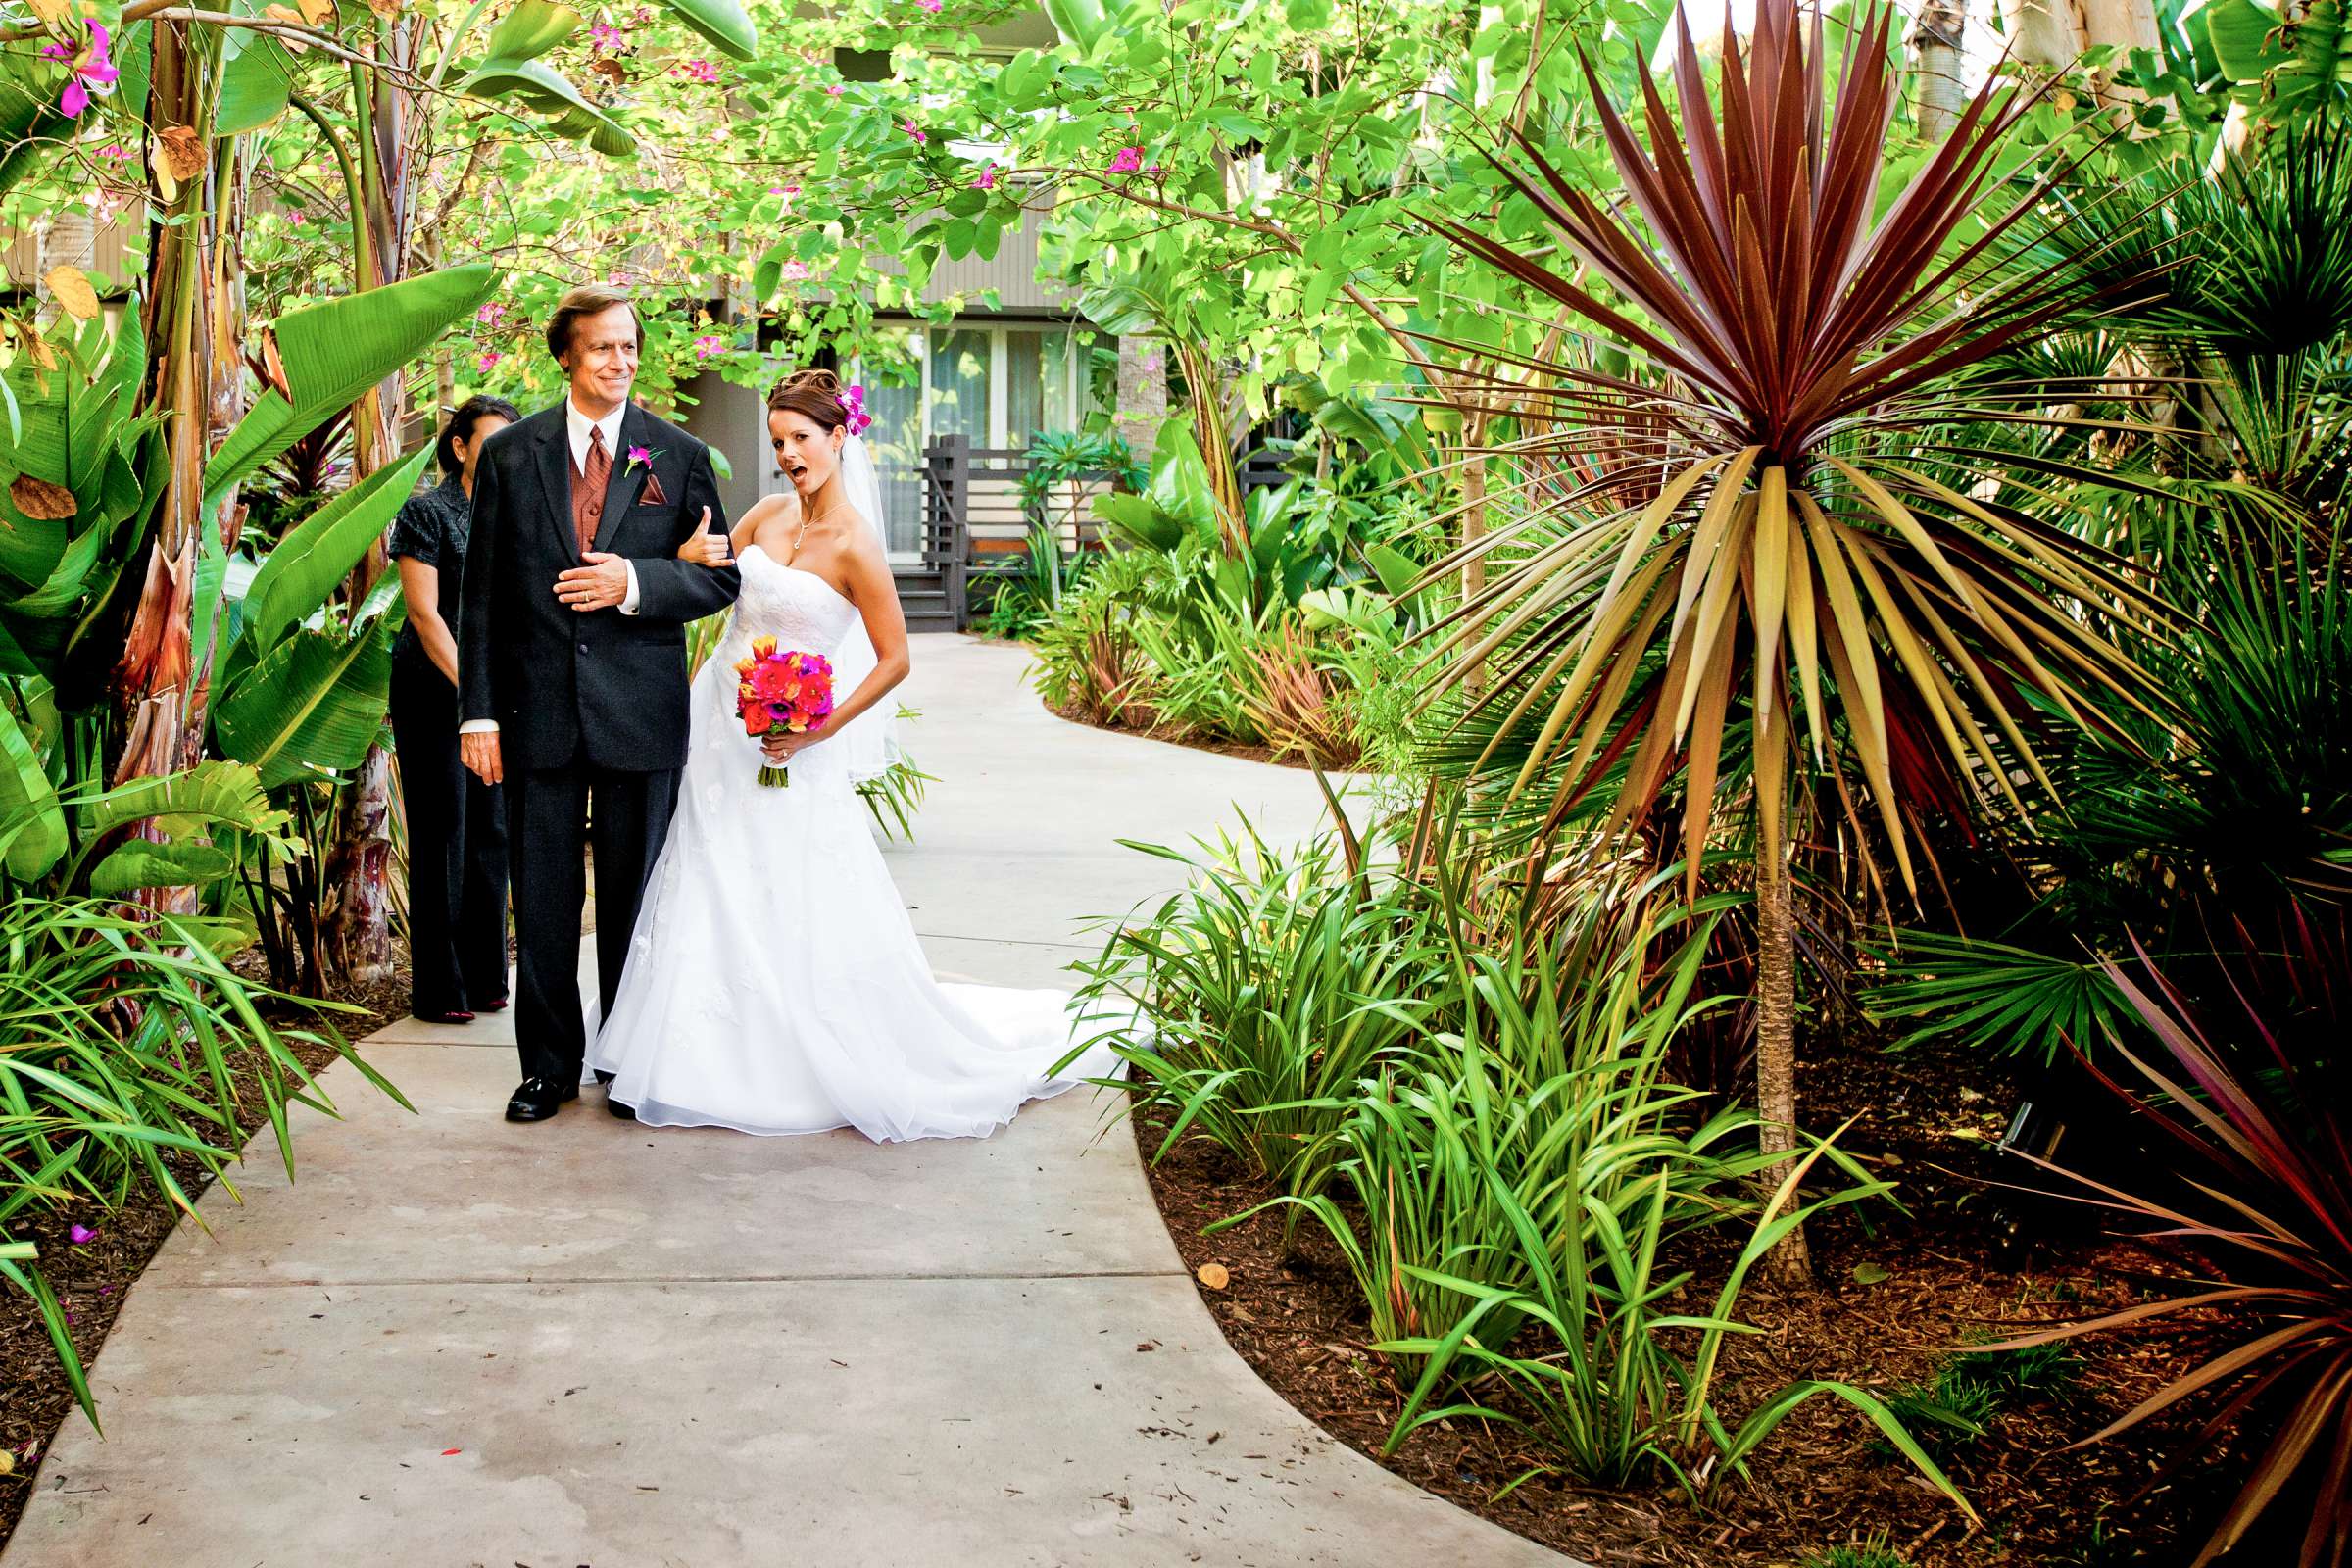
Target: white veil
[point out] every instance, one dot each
(872, 738)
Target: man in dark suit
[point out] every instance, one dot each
(571, 653)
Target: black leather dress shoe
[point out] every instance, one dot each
(538, 1098)
(624, 1112)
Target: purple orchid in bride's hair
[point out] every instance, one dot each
(852, 405)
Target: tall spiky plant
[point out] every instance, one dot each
(1761, 516)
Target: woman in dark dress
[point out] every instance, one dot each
(456, 823)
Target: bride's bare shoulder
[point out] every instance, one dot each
(769, 508)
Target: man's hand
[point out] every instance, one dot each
(480, 749)
(598, 585)
(708, 548)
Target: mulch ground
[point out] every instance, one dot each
(1957, 1263)
(1176, 735)
(91, 1279)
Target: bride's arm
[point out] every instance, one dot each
(876, 593)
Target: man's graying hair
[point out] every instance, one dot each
(589, 299)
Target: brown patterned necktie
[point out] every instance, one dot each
(588, 493)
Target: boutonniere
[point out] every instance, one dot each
(644, 456)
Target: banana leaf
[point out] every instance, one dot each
(27, 805)
(336, 351)
(312, 561)
(211, 794)
(142, 864)
(724, 22)
(310, 708)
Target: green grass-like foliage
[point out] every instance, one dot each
(1970, 1390)
(1480, 1074)
(125, 1040)
(1873, 1553)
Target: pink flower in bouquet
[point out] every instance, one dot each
(782, 693)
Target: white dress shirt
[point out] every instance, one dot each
(578, 426)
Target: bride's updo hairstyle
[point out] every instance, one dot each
(815, 394)
(820, 397)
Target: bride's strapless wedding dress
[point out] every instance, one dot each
(775, 982)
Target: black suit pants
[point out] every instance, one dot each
(456, 850)
(554, 816)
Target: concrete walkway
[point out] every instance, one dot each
(454, 1342)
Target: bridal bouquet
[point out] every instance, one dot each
(788, 693)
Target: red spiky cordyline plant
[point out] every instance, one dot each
(1771, 516)
(2271, 1174)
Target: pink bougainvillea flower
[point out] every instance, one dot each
(835, 91)
(987, 180)
(706, 346)
(794, 271)
(81, 1236)
(601, 38)
(1129, 160)
(1155, 171)
(931, 6)
(916, 131)
(704, 71)
(93, 73)
(486, 364)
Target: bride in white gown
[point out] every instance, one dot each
(775, 982)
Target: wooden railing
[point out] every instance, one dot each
(976, 522)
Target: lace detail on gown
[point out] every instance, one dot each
(774, 981)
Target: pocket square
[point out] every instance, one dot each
(653, 495)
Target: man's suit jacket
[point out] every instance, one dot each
(562, 683)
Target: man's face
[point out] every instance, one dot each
(603, 360)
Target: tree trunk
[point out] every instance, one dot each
(1938, 92)
(2120, 25)
(2040, 34)
(1789, 1265)
(357, 916)
(1143, 395)
(194, 289)
(359, 904)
